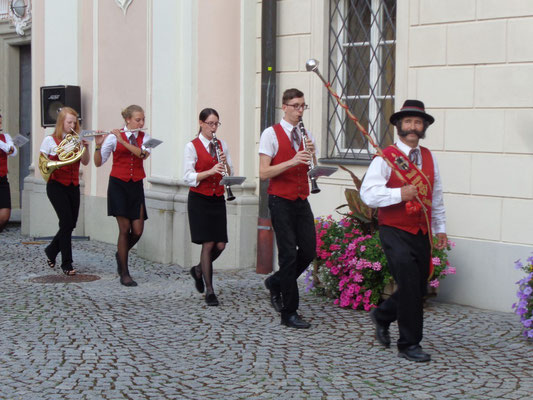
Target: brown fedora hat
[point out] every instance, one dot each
(411, 108)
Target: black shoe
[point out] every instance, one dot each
(294, 321)
(382, 330)
(275, 295)
(211, 299)
(199, 282)
(128, 282)
(414, 353)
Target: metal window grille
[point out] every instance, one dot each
(362, 39)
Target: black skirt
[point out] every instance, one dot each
(5, 194)
(207, 218)
(124, 199)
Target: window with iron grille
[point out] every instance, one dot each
(362, 38)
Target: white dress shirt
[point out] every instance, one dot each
(375, 193)
(110, 143)
(190, 158)
(6, 146)
(268, 144)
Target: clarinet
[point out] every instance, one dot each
(218, 148)
(314, 185)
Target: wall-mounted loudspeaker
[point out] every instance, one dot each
(53, 98)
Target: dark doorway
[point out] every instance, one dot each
(25, 114)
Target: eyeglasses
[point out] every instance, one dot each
(298, 106)
(213, 124)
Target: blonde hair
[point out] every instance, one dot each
(128, 111)
(58, 131)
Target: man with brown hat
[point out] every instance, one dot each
(407, 215)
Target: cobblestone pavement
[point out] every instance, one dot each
(99, 340)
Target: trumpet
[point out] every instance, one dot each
(218, 148)
(314, 185)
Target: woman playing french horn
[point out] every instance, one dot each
(63, 189)
(206, 160)
(125, 192)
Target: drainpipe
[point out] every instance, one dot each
(265, 234)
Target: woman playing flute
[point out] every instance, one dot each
(125, 192)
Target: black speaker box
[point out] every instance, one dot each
(53, 98)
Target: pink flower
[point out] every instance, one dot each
(334, 247)
(334, 270)
(450, 271)
(434, 283)
(436, 260)
(362, 248)
(377, 266)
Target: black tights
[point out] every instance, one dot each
(130, 232)
(210, 252)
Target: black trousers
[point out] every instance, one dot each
(294, 225)
(66, 203)
(408, 257)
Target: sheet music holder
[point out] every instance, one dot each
(321, 171)
(20, 140)
(152, 143)
(232, 180)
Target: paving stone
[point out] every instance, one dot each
(100, 340)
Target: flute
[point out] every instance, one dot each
(93, 133)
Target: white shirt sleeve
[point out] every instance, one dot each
(145, 139)
(6, 147)
(108, 147)
(268, 143)
(48, 146)
(374, 190)
(189, 162)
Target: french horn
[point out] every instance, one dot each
(69, 151)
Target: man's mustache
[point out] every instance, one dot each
(421, 134)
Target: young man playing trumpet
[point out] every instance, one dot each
(284, 159)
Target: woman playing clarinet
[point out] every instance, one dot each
(125, 192)
(7, 149)
(63, 190)
(206, 159)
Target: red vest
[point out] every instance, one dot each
(126, 166)
(396, 215)
(3, 158)
(211, 185)
(294, 182)
(69, 174)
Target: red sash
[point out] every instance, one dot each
(412, 175)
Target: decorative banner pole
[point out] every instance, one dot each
(312, 66)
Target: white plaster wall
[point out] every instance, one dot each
(61, 42)
(471, 63)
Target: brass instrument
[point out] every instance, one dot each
(69, 151)
(218, 148)
(314, 185)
